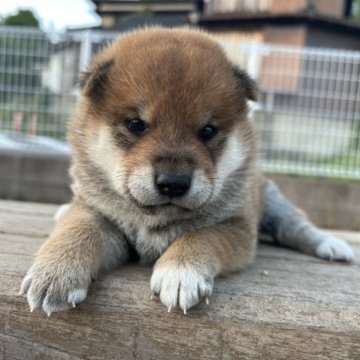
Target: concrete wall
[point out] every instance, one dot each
(31, 177)
(329, 204)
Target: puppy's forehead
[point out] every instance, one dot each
(158, 62)
(172, 43)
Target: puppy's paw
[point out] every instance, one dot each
(181, 285)
(54, 288)
(333, 248)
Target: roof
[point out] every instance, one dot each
(120, 6)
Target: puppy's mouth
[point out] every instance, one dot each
(157, 208)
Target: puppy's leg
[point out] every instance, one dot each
(289, 227)
(61, 211)
(185, 272)
(81, 243)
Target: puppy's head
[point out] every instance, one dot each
(164, 117)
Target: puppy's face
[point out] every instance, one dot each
(164, 114)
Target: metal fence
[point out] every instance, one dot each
(308, 114)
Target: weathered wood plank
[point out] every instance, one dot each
(26, 224)
(22, 207)
(287, 305)
(17, 349)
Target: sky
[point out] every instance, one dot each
(55, 14)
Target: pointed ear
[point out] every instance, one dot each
(246, 83)
(94, 81)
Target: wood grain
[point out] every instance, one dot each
(286, 306)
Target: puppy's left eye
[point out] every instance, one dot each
(136, 126)
(207, 133)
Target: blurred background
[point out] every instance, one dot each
(305, 55)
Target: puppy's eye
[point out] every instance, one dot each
(207, 133)
(136, 126)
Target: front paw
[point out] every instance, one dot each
(55, 287)
(181, 285)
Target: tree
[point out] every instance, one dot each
(22, 18)
(356, 10)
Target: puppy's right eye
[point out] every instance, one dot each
(136, 126)
(207, 133)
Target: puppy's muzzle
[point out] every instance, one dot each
(172, 184)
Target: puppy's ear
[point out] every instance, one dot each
(248, 85)
(94, 81)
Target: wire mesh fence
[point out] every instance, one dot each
(308, 113)
(38, 85)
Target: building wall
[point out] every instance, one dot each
(286, 6)
(269, 79)
(266, 67)
(231, 40)
(285, 35)
(276, 35)
(228, 6)
(108, 21)
(255, 35)
(334, 8)
(134, 21)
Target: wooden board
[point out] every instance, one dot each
(304, 308)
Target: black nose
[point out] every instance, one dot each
(173, 185)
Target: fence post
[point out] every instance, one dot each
(85, 50)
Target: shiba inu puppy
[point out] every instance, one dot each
(164, 163)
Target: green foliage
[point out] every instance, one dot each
(356, 10)
(22, 18)
(356, 142)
